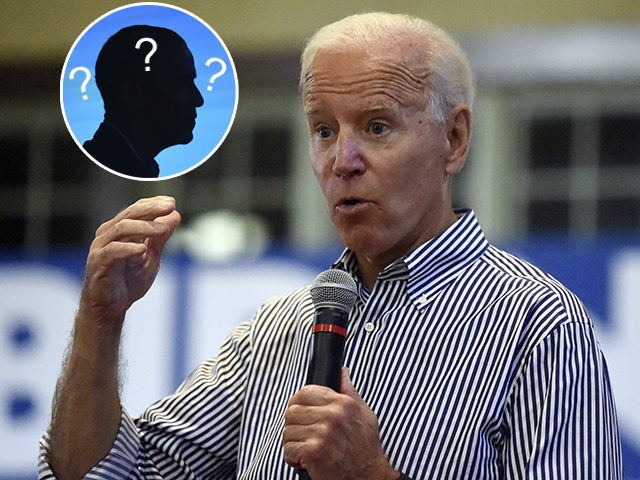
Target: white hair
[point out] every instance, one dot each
(450, 80)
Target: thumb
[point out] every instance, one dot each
(346, 386)
(171, 220)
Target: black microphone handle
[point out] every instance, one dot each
(303, 475)
(327, 354)
(325, 367)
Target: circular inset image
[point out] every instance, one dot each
(149, 91)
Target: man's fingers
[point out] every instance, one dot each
(116, 251)
(134, 231)
(150, 220)
(303, 445)
(144, 209)
(346, 386)
(313, 395)
(171, 221)
(294, 434)
(301, 415)
(314, 410)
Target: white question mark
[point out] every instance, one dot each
(83, 87)
(154, 47)
(218, 74)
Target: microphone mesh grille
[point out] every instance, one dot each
(335, 287)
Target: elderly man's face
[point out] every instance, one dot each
(381, 162)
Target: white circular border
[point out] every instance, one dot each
(233, 68)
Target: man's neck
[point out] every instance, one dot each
(368, 272)
(135, 138)
(370, 266)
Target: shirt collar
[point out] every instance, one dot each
(434, 264)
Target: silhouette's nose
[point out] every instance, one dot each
(197, 96)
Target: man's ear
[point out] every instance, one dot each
(458, 126)
(137, 90)
(125, 97)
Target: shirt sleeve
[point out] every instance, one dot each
(561, 416)
(190, 434)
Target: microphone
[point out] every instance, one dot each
(334, 294)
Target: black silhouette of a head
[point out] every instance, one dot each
(154, 108)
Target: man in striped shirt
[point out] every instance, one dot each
(464, 362)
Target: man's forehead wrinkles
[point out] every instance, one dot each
(390, 73)
(376, 94)
(384, 103)
(378, 77)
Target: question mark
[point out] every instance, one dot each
(218, 74)
(154, 47)
(83, 87)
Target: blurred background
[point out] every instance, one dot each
(553, 175)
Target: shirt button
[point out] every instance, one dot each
(369, 327)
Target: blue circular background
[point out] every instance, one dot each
(214, 118)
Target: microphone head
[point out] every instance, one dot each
(334, 288)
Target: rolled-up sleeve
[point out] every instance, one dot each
(190, 434)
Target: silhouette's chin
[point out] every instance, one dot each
(177, 136)
(186, 138)
(182, 140)
(186, 134)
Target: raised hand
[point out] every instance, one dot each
(125, 256)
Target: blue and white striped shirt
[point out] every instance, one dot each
(477, 365)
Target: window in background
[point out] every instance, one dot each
(581, 166)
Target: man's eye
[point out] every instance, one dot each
(377, 128)
(324, 132)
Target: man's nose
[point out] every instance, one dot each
(348, 159)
